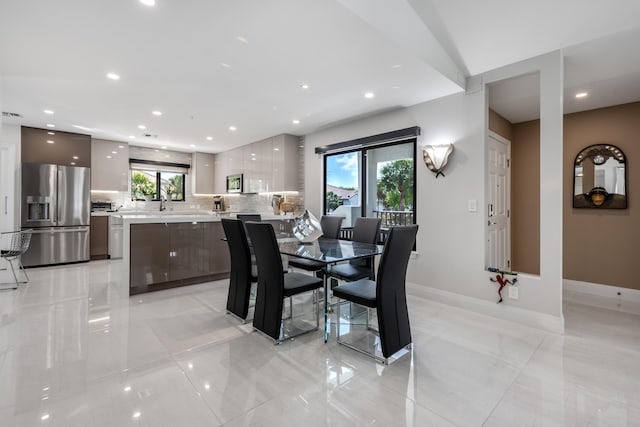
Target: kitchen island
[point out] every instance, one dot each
(166, 250)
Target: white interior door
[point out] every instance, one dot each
(498, 203)
(7, 187)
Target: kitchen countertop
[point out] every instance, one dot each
(142, 217)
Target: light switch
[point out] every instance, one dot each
(473, 205)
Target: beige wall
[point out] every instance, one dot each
(602, 245)
(525, 197)
(500, 125)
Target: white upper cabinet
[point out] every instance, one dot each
(257, 166)
(220, 172)
(269, 165)
(202, 173)
(285, 163)
(109, 165)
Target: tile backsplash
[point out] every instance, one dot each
(256, 203)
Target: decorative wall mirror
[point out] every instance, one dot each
(600, 178)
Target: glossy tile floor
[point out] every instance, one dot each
(73, 352)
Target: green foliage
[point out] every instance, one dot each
(333, 201)
(397, 177)
(174, 188)
(142, 185)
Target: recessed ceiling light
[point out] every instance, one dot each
(108, 157)
(209, 138)
(51, 133)
(132, 137)
(295, 121)
(136, 415)
(142, 127)
(225, 65)
(582, 94)
(120, 146)
(48, 111)
(304, 86)
(44, 417)
(75, 157)
(276, 149)
(156, 113)
(50, 141)
(113, 76)
(192, 145)
(148, 2)
(396, 66)
(242, 39)
(369, 95)
(49, 125)
(114, 152)
(233, 128)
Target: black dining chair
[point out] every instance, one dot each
(18, 245)
(274, 285)
(387, 295)
(243, 273)
(330, 230)
(249, 217)
(365, 230)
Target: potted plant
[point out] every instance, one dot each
(142, 186)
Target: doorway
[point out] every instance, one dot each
(498, 250)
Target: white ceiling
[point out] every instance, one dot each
(55, 55)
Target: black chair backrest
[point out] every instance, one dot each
(391, 298)
(331, 226)
(249, 217)
(240, 280)
(366, 230)
(267, 316)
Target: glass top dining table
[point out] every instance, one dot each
(328, 252)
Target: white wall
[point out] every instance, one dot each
(451, 240)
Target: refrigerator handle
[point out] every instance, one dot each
(6, 202)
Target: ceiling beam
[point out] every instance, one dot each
(400, 22)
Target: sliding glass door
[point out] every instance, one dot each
(374, 182)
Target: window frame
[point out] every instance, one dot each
(363, 173)
(158, 185)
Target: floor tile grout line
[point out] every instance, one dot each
(515, 378)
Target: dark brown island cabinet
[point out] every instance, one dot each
(99, 237)
(167, 255)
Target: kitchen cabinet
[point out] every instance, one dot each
(257, 166)
(202, 173)
(176, 254)
(269, 165)
(220, 170)
(285, 163)
(150, 256)
(109, 165)
(99, 237)
(55, 147)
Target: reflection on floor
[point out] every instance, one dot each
(73, 352)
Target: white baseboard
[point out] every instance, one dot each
(502, 311)
(631, 295)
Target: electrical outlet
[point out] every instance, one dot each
(513, 292)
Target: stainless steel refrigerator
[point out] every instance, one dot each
(56, 204)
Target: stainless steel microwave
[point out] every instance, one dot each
(234, 183)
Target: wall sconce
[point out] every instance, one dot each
(436, 157)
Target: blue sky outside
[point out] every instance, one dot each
(342, 170)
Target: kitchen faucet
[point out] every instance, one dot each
(163, 203)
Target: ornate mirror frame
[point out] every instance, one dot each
(603, 196)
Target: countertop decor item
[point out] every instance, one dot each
(307, 228)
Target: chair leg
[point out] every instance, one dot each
(338, 322)
(24, 271)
